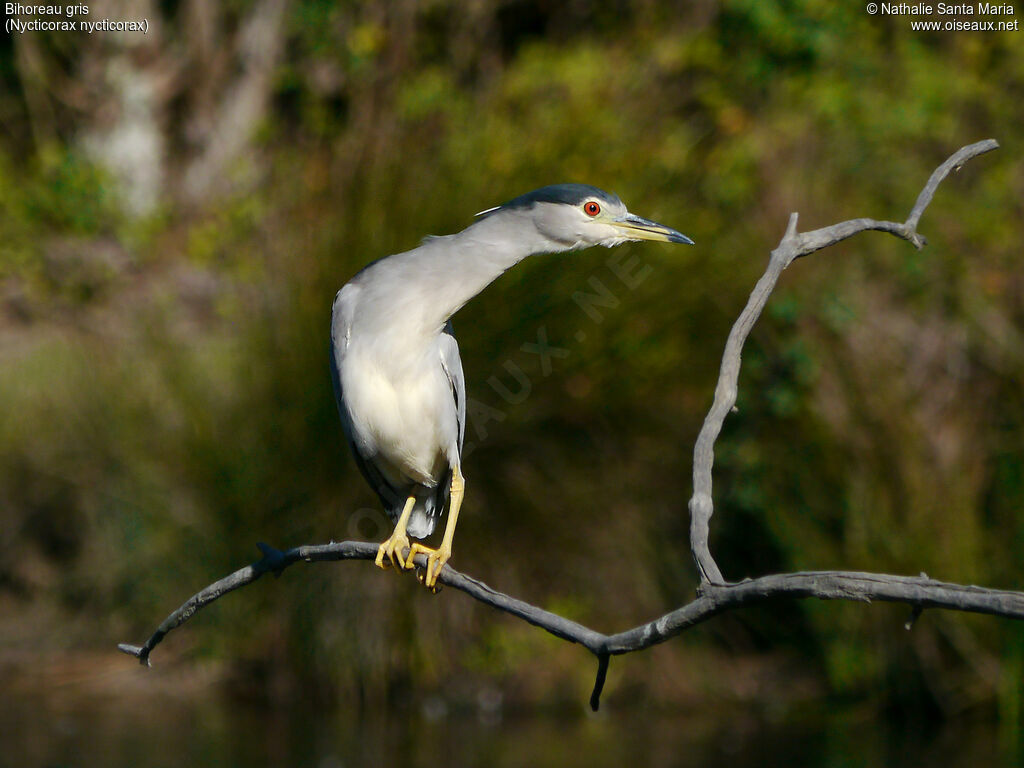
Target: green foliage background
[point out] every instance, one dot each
(165, 388)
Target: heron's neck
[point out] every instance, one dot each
(458, 267)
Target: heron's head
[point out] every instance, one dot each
(579, 216)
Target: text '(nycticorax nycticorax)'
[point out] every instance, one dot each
(397, 373)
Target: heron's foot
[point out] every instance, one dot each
(393, 549)
(436, 558)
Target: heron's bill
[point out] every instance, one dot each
(636, 228)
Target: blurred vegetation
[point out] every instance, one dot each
(163, 338)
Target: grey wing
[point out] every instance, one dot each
(341, 318)
(452, 364)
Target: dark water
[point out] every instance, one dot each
(40, 731)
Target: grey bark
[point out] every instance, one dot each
(714, 595)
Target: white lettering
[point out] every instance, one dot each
(987, 9)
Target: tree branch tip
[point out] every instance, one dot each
(980, 148)
(138, 651)
(915, 614)
(602, 673)
(794, 218)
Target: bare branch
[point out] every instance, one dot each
(954, 163)
(792, 246)
(714, 595)
(920, 592)
(275, 561)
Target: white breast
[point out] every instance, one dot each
(398, 415)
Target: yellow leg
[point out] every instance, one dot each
(398, 542)
(436, 558)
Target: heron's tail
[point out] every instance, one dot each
(427, 511)
(421, 522)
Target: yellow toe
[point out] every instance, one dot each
(436, 559)
(392, 549)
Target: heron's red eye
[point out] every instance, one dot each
(592, 208)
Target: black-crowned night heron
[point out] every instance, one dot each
(395, 363)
